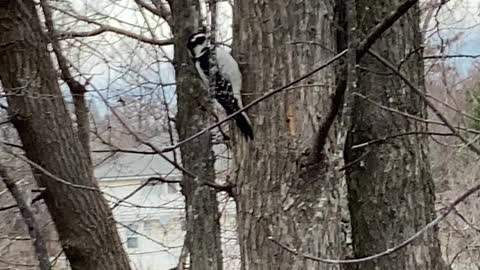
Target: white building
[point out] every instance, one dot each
(152, 218)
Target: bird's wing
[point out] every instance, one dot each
(229, 70)
(201, 73)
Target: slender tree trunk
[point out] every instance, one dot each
(39, 244)
(282, 191)
(391, 191)
(197, 155)
(83, 220)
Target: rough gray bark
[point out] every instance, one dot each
(203, 228)
(391, 191)
(280, 192)
(82, 217)
(77, 90)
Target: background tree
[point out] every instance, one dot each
(203, 227)
(123, 53)
(52, 147)
(390, 187)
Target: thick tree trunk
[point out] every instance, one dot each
(83, 220)
(203, 228)
(391, 192)
(77, 90)
(279, 192)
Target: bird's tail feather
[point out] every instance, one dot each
(243, 123)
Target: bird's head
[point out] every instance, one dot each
(196, 43)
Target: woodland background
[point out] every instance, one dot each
(366, 116)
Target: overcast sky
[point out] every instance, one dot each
(458, 17)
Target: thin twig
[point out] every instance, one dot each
(466, 221)
(144, 235)
(92, 33)
(49, 174)
(158, 10)
(150, 181)
(422, 96)
(58, 179)
(130, 151)
(449, 56)
(109, 28)
(416, 118)
(384, 139)
(146, 183)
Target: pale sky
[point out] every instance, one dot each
(457, 17)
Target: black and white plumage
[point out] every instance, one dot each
(227, 79)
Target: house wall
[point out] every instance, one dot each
(153, 219)
(149, 222)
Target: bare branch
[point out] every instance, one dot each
(226, 188)
(68, 35)
(466, 221)
(64, 182)
(131, 151)
(383, 26)
(16, 264)
(160, 9)
(49, 174)
(144, 235)
(163, 180)
(141, 140)
(416, 118)
(165, 10)
(18, 146)
(109, 28)
(435, 110)
(363, 47)
(449, 56)
(386, 138)
(149, 181)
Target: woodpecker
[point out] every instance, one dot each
(227, 78)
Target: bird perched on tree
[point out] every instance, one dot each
(227, 79)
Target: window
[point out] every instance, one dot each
(25, 253)
(172, 188)
(132, 237)
(149, 226)
(132, 241)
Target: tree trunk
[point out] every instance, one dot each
(280, 192)
(203, 227)
(391, 191)
(38, 240)
(82, 217)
